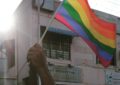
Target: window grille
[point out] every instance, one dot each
(57, 46)
(66, 74)
(113, 63)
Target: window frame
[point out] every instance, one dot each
(113, 63)
(48, 35)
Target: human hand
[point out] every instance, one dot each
(36, 57)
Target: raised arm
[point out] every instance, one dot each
(37, 59)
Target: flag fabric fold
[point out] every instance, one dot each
(100, 35)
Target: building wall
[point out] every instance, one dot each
(27, 34)
(118, 50)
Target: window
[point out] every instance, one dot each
(45, 5)
(56, 45)
(113, 63)
(66, 74)
(7, 61)
(57, 3)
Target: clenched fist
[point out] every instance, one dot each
(38, 63)
(36, 57)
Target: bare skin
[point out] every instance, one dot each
(38, 60)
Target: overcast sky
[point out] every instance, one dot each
(108, 6)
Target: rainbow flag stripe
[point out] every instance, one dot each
(100, 35)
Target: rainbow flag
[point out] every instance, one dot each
(100, 35)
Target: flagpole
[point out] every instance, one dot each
(39, 32)
(48, 25)
(39, 21)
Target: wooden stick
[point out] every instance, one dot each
(48, 25)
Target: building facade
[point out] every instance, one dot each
(70, 60)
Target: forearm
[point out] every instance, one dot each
(38, 60)
(45, 76)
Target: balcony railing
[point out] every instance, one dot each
(66, 74)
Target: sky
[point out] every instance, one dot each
(7, 8)
(108, 6)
